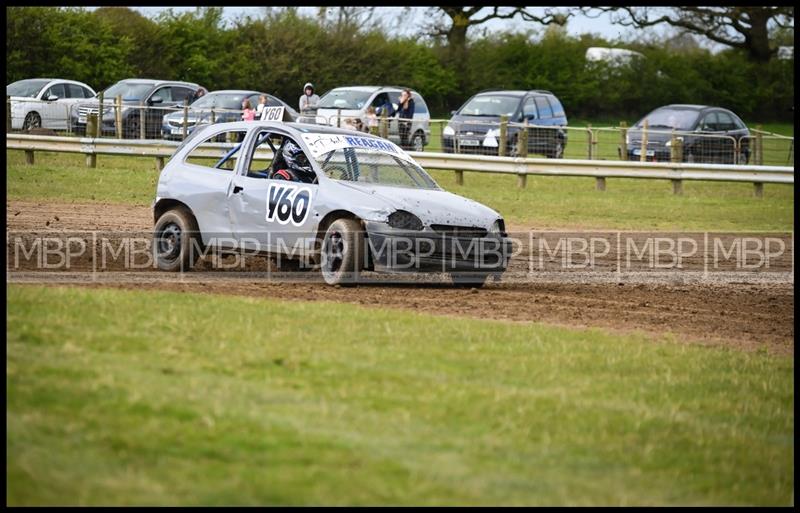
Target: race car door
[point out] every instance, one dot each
(273, 215)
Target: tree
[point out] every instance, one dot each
(457, 20)
(745, 28)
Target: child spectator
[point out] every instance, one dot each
(372, 120)
(249, 114)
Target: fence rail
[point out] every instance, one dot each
(677, 172)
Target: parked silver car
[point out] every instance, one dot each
(45, 102)
(343, 200)
(342, 103)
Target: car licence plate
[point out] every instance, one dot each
(648, 153)
(176, 131)
(81, 119)
(470, 142)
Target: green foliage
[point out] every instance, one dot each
(281, 51)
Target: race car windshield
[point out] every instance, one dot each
(490, 106)
(344, 99)
(28, 88)
(128, 91)
(679, 119)
(220, 101)
(376, 167)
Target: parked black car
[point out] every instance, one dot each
(474, 128)
(695, 127)
(159, 96)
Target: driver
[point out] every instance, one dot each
(296, 167)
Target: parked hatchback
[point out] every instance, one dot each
(218, 107)
(474, 128)
(44, 102)
(159, 97)
(353, 102)
(706, 134)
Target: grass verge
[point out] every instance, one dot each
(195, 399)
(545, 202)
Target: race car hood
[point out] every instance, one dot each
(431, 206)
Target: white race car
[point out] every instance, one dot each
(348, 200)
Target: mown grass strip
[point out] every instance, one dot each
(128, 397)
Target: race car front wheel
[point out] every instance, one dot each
(342, 252)
(175, 238)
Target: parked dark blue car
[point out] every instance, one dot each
(474, 128)
(226, 106)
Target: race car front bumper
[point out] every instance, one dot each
(393, 250)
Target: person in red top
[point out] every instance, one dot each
(249, 114)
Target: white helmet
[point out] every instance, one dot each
(308, 84)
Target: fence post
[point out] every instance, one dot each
(159, 164)
(8, 114)
(643, 156)
(338, 118)
(589, 141)
(760, 146)
(99, 129)
(142, 121)
(623, 147)
(522, 180)
(384, 124)
(672, 143)
(213, 116)
(185, 116)
(600, 183)
(677, 187)
(522, 149)
(29, 157)
(501, 150)
(459, 177)
(758, 189)
(118, 115)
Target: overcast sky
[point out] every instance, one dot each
(576, 25)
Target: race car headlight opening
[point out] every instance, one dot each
(499, 227)
(403, 220)
(448, 130)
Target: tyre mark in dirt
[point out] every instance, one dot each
(742, 316)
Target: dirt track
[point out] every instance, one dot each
(750, 315)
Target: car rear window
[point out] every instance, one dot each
(558, 109)
(544, 108)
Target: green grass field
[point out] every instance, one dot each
(199, 399)
(545, 202)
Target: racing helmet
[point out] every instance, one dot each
(297, 161)
(308, 84)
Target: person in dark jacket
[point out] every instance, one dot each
(405, 113)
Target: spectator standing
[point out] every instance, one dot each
(405, 113)
(372, 120)
(248, 113)
(262, 102)
(309, 99)
(199, 94)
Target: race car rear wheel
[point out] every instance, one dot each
(174, 241)
(342, 252)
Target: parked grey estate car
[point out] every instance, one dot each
(696, 127)
(353, 102)
(44, 102)
(227, 106)
(368, 202)
(159, 96)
